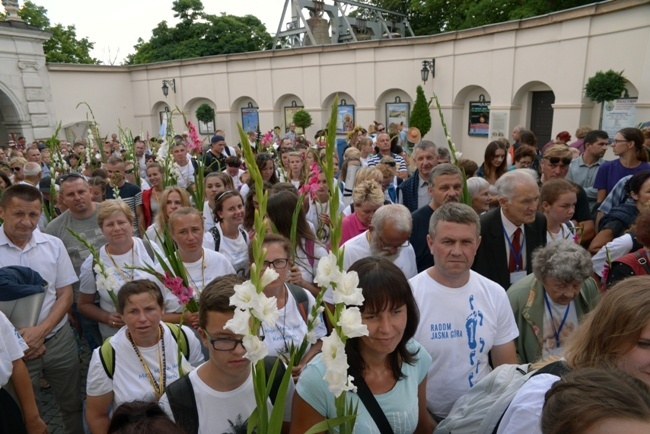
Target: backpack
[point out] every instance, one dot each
(300, 295)
(182, 399)
(217, 237)
(107, 352)
(481, 409)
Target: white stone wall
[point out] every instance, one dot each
(504, 62)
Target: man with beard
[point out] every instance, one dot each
(414, 192)
(445, 186)
(387, 236)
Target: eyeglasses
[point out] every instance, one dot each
(556, 160)
(16, 169)
(389, 163)
(129, 171)
(225, 344)
(278, 264)
(388, 248)
(381, 130)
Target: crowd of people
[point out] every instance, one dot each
(537, 253)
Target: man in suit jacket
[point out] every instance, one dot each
(413, 193)
(518, 200)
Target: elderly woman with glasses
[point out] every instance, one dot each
(294, 304)
(550, 303)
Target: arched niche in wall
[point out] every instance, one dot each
(393, 106)
(533, 108)
(12, 115)
(245, 111)
(283, 111)
(470, 119)
(158, 113)
(204, 129)
(347, 113)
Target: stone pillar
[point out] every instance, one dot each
(11, 10)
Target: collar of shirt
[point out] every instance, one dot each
(509, 226)
(36, 238)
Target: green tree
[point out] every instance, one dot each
(428, 17)
(63, 46)
(199, 34)
(420, 116)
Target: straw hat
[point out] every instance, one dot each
(413, 135)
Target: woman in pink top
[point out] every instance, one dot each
(367, 197)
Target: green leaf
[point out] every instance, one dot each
(329, 424)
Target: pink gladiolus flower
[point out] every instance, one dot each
(195, 140)
(310, 187)
(175, 285)
(267, 139)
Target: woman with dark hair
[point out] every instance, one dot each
(627, 144)
(266, 165)
(215, 183)
(229, 239)
(494, 164)
(308, 249)
(389, 361)
(5, 182)
(151, 197)
(621, 217)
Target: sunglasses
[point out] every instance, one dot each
(390, 163)
(557, 160)
(381, 130)
(16, 169)
(129, 171)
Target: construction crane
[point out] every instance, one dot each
(377, 23)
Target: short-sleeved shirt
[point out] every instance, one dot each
(459, 327)
(130, 381)
(611, 172)
(46, 255)
(400, 404)
(12, 347)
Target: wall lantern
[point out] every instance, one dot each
(167, 84)
(428, 65)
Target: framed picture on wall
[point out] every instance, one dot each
(288, 117)
(250, 118)
(398, 112)
(344, 118)
(206, 128)
(479, 117)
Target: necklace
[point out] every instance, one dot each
(191, 280)
(158, 387)
(285, 349)
(117, 267)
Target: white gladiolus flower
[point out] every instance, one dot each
(256, 350)
(347, 290)
(458, 155)
(246, 296)
(240, 322)
(334, 356)
(328, 271)
(98, 269)
(350, 323)
(266, 310)
(339, 382)
(269, 276)
(311, 337)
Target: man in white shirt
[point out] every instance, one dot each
(466, 322)
(387, 236)
(222, 386)
(52, 348)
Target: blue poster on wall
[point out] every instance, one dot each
(250, 118)
(479, 117)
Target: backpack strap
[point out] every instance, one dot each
(107, 357)
(182, 402)
(300, 295)
(107, 352)
(181, 338)
(244, 234)
(642, 260)
(217, 237)
(269, 361)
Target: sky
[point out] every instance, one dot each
(115, 25)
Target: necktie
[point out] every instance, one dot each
(515, 247)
